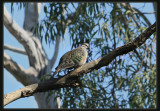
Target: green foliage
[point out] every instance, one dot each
(144, 88)
(46, 76)
(53, 23)
(20, 6)
(129, 81)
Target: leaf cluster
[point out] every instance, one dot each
(130, 80)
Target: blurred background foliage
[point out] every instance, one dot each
(129, 81)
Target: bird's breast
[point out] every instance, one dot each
(84, 58)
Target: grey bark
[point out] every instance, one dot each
(71, 79)
(38, 60)
(32, 11)
(14, 49)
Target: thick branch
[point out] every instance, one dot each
(23, 92)
(26, 77)
(24, 37)
(14, 49)
(70, 80)
(30, 21)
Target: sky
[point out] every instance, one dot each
(10, 83)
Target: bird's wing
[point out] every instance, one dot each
(77, 56)
(71, 59)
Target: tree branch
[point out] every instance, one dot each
(18, 94)
(127, 5)
(142, 15)
(30, 22)
(70, 80)
(56, 50)
(26, 77)
(14, 49)
(155, 8)
(24, 37)
(20, 34)
(134, 10)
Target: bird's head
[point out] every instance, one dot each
(86, 45)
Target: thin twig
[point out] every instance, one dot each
(70, 80)
(14, 49)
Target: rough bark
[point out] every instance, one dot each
(71, 79)
(40, 65)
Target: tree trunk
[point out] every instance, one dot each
(32, 11)
(38, 60)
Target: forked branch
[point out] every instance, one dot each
(22, 75)
(14, 49)
(70, 80)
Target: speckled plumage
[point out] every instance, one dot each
(73, 58)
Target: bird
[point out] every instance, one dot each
(73, 59)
